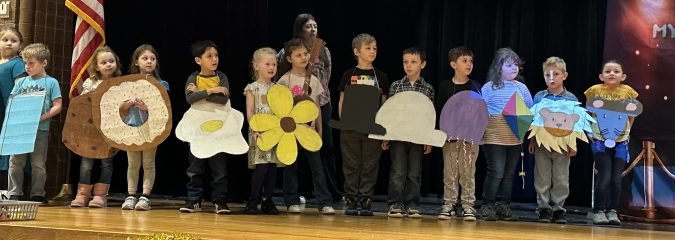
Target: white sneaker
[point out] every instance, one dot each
(303, 200)
(447, 212)
(143, 204)
(294, 209)
(129, 203)
(327, 210)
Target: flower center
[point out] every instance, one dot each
(287, 124)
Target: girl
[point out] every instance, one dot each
(302, 82)
(105, 65)
(264, 163)
(12, 68)
(502, 148)
(143, 61)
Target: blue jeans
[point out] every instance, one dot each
(291, 196)
(85, 170)
(195, 173)
(38, 160)
(405, 177)
(501, 164)
(328, 154)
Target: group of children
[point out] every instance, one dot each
(360, 154)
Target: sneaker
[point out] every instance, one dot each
(613, 217)
(221, 208)
(143, 204)
(303, 200)
(414, 213)
(447, 212)
(559, 217)
(395, 210)
(504, 212)
(487, 212)
(39, 199)
(251, 208)
(327, 210)
(295, 208)
(469, 214)
(129, 203)
(268, 207)
(366, 207)
(599, 217)
(191, 207)
(350, 207)
(15, 197)
(545, 216)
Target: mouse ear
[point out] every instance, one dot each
(598, 103)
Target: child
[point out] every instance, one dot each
(264, 163)
(502, 148)
(143, 61)
(361, 154)
(36, 57)
(210, 85)
(454, 173)
(406, 157)
(105, 65)
(609, 162)
(302, 82)
(11, 69)
(551, 169)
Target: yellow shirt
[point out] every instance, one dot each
(622, 92)
(204, 83)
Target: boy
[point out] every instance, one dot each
(361, 154)
(210, 85)
(551, 169)
(406, 157)
(454, 172)
(36, 57)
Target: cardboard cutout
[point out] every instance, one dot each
(211, 128)
(359, 106)
(612, 116)
(558, 124)
(21, 123)
(465, 117)
(517, 115)
(80, 134)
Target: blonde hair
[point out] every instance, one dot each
(95, 74)
(361, 39)
(257, 56)
(555, 62)
(36, 50)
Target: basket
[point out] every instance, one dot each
(18, 210)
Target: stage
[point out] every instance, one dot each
(113, 223)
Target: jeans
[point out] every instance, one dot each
(291, 196)
(501, 164)
(195, 173)
(38, 160)
(361, 159)
(405, 174)
(608, 180)
(106, 170)
(327, 152)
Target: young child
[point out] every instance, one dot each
(264, 163)
(211, 85)
(609, 162)
(454, 173)
(11, 69)
(143, 61)
(502, 148)
(36, 57)
(406, 157)
(551, 169)
(105, 65)
(361, 155)
(302, 82)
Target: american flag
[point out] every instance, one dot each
(89, 35)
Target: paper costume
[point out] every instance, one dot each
(465, 117)
(558, 124)
(21, 123)
(359, 107)
(80, 134)
(612, 116)
(517, 115)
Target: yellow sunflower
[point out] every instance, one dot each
(286, 125)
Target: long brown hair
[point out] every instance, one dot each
(96, 75)
(133, 66)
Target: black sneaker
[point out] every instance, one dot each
(487, 212)
(39, 199)
(545, 216)
(221, 207)
(192, 207)
(396, 210)
(268, 207)
(559, 217)
(350, 208)
(251, 207)
(504, 213)
(366, 209)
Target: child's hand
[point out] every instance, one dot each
(140, 104)
(191, 87)
(571, 153)
(385, 145)
(222, 90)
(427, 149)
(255, 135)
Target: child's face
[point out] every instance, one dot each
(554, 77)
(299, 58)
(510, 70)
(267, 66)
(463, 65)
(208, 60)
(146, 62)
(413, 64)
(367, 52)
(310, 29)
(34, 66)
(106, 64)
(9, 43)
(612, 74)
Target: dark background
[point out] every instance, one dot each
(536, 30)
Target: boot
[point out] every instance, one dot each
(82, 197)
(100, 199)
(63, 197)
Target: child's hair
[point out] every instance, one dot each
(416, 51)
(555, 62)
(257, 56)
(36, 50)
(284, 66)
(457, 52)
(133, 66)
(299, 24)
(13, 30)
(612, 61)
(503, 55)
(199, 48)
(96, 75)
(361, 39)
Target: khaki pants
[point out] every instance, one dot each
(551, 179)
(459, 166)
(147, 157)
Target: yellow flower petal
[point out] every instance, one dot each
(280, 100)
(304, 112)
(308, 138)
(287, 151)
(263, 122)
(269, 139)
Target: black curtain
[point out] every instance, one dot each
(536, 30)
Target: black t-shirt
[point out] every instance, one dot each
(448, 88)
(371, 77)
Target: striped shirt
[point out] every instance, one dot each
(564, 95)
(418, 86)
(498, 131)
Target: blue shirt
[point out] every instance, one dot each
(496, 99)
(136, 116)
(564, 95)
(48, 84)
(9, 71)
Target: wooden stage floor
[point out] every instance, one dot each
(113, 223)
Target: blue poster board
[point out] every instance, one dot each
(21, 123)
